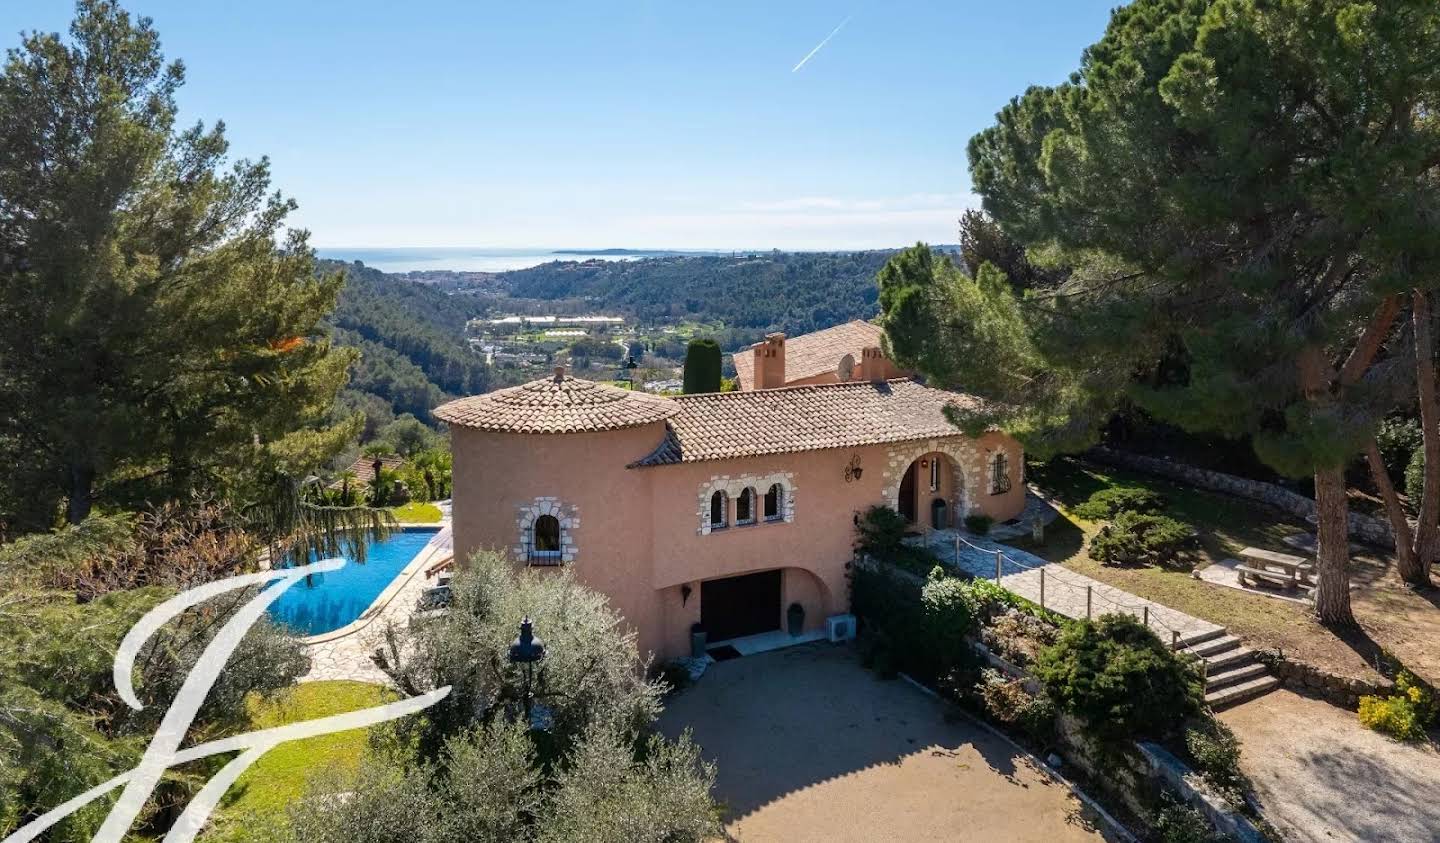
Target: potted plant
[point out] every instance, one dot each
(697, 641)
(795, 618)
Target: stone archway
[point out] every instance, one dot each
(959, 453)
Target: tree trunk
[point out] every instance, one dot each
(1407, 562)
(1429, 503)
(1332, 593)
(82, 483)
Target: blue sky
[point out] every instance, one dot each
(643, 124)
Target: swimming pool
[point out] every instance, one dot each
(329, 601)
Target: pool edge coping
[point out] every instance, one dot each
(426, 554)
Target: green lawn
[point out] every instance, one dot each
(417, 512)
(1225, 525)
(281, 775)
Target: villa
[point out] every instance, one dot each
(829, 356)
(723, 509)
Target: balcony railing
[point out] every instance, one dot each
(545, 557)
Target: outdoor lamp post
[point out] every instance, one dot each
(627, 371)
(527, 650)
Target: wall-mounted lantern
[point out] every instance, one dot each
(853, 469)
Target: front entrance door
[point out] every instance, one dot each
(907, 494)
(738, 606)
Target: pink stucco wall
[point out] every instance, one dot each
(642, 532)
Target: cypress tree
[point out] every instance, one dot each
(702, 366)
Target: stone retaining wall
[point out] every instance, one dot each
(1363, 527)
(1316, 681)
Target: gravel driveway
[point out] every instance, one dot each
(1322, 776)
(810, 746)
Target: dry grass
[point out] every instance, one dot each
(1391, 616)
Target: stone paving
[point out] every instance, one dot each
(348, 656)
(1064, 591)
(1036, 508)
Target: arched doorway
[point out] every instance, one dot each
(929, 492)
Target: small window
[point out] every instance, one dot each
(545, 539)
(772, 503)
(934, 474)
(745, 507)
(999, 474)
(719, 511)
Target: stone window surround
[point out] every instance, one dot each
(962, 451)
(567, 514)
(733, 485)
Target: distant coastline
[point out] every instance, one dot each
(467, 259)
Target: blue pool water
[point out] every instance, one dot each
(329, 601)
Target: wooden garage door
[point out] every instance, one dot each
(738, 606)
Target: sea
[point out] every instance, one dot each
(465, 259)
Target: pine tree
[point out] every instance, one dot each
(1250, 186)
(161, 325)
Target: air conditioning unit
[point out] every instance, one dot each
(840, 628)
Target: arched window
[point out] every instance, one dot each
(999, 473)
(545, 539)
(773, 500)
(719, 511)
(745, 507)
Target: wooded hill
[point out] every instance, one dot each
(411, 338)
(411, 335)
(794, 292)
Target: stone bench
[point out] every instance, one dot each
(1269, 561)
(1287, 580)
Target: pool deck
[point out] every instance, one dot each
(344, 653)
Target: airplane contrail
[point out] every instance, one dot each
(812, 53)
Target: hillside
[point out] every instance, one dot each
(410, 329)
(411, 338)
(794, 292)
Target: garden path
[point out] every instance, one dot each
(1058, 588)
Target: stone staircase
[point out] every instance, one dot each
(1232, 673)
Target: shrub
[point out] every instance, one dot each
(676, 676)
(1406, 714)
(978, 523)
(880, 531)
(1019, 637)
(1215, 751)
(922, 631)
(949, 619)
(1177, 822)
(1415, 477)
(889, 608)
(1108, 503)
(1006, 700)
(1135, 538)
(1119, 678)
(1398, 439)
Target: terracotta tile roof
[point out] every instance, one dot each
(364, 468)
(725, 425)
(560, 404)
(813, 354)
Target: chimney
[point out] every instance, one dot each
(770, 362)
(873, 365)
